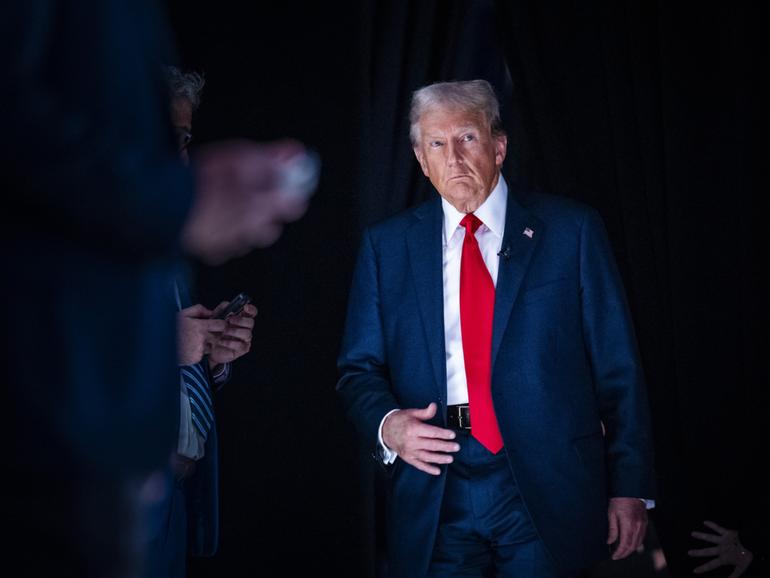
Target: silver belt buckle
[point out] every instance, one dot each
(460, 421)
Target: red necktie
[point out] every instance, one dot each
(477, 306)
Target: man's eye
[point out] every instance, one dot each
(468, 138)
(435, 144)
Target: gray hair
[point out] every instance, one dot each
(468, 95)
(187, 85)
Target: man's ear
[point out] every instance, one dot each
(421, 160)
(501, 148)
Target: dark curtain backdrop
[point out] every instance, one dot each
(652, 112)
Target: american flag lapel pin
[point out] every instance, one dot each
(528, 232)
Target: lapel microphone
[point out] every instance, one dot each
(505, 252)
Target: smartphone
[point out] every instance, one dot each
(300, 174)
(235, 306)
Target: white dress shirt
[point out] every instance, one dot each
(490, 238)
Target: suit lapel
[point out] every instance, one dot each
(522, 234)
(425, 261)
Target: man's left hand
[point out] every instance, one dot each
(235, 340)
(628, 524)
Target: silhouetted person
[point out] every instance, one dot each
(98, 211)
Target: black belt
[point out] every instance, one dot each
(458, 416)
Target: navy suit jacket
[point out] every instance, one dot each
(564, 362)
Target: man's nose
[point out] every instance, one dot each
(454, 155)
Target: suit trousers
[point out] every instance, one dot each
(484, 528)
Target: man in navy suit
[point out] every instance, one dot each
(186, 520)
(489, 360)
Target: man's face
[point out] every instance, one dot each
(460, 156)
(181, 119)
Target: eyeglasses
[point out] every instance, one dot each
(183, 138)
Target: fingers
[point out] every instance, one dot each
(237, 348)
(427, 433)
(215, 325)
(708, 566)
(254, 160)
(628, 523)
(220, 307)
(201, 316)
(423, 466)
(288, 206)
(234, 333)
(706, 537)
(626, 540)
(434, 445)
(433, 431)
(414, 427)
(428, 451)
(226, 348)
(249, 311)
(423, 414)
(286, 149)
(221, 354)
(234, 341)
(244, 321)
(428, 461)
(197, 311)
(716, 527)
(420, 444)
(639, 531)
(630, 540)
(433, 457)
(239, 205)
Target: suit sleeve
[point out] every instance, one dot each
(617, 373)
(221, 377)
(364, 384)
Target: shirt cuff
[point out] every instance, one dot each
(649, 504)
(388, 455)
(221, 375)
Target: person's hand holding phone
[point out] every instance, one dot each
(196, 330)
(245, 193)
(235, 339)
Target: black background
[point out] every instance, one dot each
(650, 112)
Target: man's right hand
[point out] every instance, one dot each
(417, 443)
(240, 201)
(195, 331)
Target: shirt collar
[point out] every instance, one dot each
(491, 212)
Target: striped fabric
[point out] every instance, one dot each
(199, 392)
